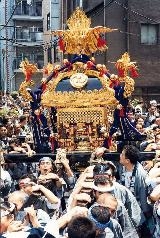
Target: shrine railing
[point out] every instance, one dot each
(73, 157)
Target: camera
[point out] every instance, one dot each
(21, 139)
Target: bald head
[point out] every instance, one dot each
(18, 198)
(108, 200)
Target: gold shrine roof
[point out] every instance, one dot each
(80, 38)
(80, 97)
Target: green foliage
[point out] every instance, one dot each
(8, 112)
(14, 94)
(134, 102)
(4, 112)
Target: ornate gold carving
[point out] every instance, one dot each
(28, 69)
(22, 89)
(103, 97)
(48, 69)
(125, 65)
(80, 38)
(83, 98)
(81, 115)
(129, 86)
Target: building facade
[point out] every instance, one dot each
(26, 28)
(138, 24)
(28, 38)
(52, 20)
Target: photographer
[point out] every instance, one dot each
(47, 175)
(39, 195)
(66, 175)
(19, 145)
(29, 216)
(63, 169)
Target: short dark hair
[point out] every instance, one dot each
(22, 118)
(81, 227)
(100, 180)
(102, 168)
(30, 176)
(132, 153)
(101, 214)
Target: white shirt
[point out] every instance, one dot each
(128, 177)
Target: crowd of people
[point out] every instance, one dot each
(48, 199)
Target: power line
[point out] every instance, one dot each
(126, 8)
(102, 8)
(45, 44)
(135, 12)
(10, 16)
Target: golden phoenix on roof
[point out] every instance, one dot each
(80, 38)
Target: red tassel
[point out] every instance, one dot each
(45, 71)
(61, 44)
(68, 65)
(114, 83)
(38, 117)
(109, 141)
(101, 72)
(121, 113)
(55, 73)
(101, 42)
(28, 76)
(120, 72)
(44, 86)
(133, 72)
(90, 64)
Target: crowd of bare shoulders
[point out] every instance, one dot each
(108, 199)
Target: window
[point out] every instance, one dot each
(77, 3)
(55, 1)
(149, 34)
(48, 21)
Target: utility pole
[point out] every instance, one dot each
(3, 86)
(6, 55)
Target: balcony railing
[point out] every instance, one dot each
(29, 10)
(32, 59)
(27, 36)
